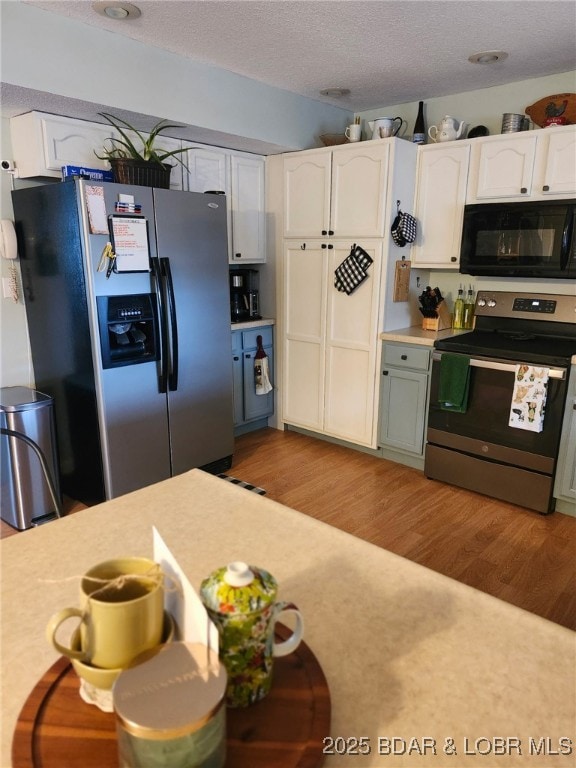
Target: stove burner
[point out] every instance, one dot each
(518, 335)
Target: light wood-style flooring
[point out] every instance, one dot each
(512, 553)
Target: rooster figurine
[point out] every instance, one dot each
(555, 113)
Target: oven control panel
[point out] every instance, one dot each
(528, 306)
(534, 305)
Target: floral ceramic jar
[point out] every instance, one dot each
(241, 601)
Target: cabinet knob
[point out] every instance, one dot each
(323, 245)
(248, 356)
(236, 358)
(330, 246)
(330, 231)
(523, 190)
(452, 258)
(237, 255)
(546, 188)
(403, 357)
(384, 373)
(324, 232)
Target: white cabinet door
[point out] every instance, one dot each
(338, 193)
(307, 194)
(559, 150)
(169, 144)
(359, 177)
(351, 346)
(330, 343)
(248, 209)
(208, 170)
(440, 198)
(43, 143)
(502, 167)
(305, 277)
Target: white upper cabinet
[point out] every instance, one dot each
(169, 144)
(441, 177)
(336, 192)
(502, 167)
(208, 170)
(241, 176)
(43, 143)
(248, 209)
(522, 165)
(555, 171)
(307, 194)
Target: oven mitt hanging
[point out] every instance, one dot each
(352, 271)
(403, 229)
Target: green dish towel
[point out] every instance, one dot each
(454, 382)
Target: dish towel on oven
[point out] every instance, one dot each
(353, 270)
(529, 398)
(454, 382)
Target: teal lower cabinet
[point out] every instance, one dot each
(404, 390)
(251, 411)
(565, 484)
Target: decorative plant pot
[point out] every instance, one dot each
(142, 173)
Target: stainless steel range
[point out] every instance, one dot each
(495, 444)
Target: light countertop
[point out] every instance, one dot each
(407, 653)
(416, 335)
(252, 324)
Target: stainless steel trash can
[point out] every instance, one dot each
(25, 498)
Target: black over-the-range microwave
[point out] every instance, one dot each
(526, 239)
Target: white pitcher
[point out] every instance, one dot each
(383, 127)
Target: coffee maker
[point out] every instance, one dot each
(244, 296)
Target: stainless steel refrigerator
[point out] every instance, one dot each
(134, 350)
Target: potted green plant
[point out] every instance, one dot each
(135, 158)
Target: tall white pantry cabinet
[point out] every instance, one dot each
(333, 199)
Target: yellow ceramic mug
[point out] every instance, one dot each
(121, 614)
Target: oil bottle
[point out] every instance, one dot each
(458, 322)
(468, 319)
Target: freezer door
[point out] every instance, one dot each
(191, 239)
(132, 411)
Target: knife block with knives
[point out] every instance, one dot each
(436, 316)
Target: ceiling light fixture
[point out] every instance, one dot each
(117, 11)
(335, 93)
(487, 57)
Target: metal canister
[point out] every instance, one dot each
(170, 709)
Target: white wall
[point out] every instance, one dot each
(15, 360)
(482, 107)
(52, 54)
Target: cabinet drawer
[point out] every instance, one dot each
(406, 356)
(250, 337)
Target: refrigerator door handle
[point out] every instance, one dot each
(163, 329)
(173, 329)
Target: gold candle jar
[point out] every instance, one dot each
(170, 709)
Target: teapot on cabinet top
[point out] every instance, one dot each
(449, 129)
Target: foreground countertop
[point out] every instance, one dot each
(408, 653)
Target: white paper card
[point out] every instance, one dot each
(130, 244)
(96, 209)
(182, 601)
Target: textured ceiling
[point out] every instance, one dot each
(385, 51)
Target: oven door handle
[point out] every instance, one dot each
(499, 365)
